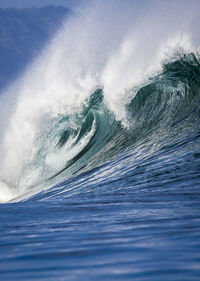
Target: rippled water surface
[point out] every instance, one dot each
(144, 225)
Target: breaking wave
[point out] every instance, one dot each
(101, 88)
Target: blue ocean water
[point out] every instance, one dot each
(100, 172)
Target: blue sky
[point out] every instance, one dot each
(37, 3)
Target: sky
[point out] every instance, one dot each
(37, 3)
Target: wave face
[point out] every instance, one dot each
(100, 137)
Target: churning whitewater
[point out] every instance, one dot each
(99, 89)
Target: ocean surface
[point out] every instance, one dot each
(100, 149)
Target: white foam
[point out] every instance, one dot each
(7, 193)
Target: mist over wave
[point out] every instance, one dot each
(113, 74)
